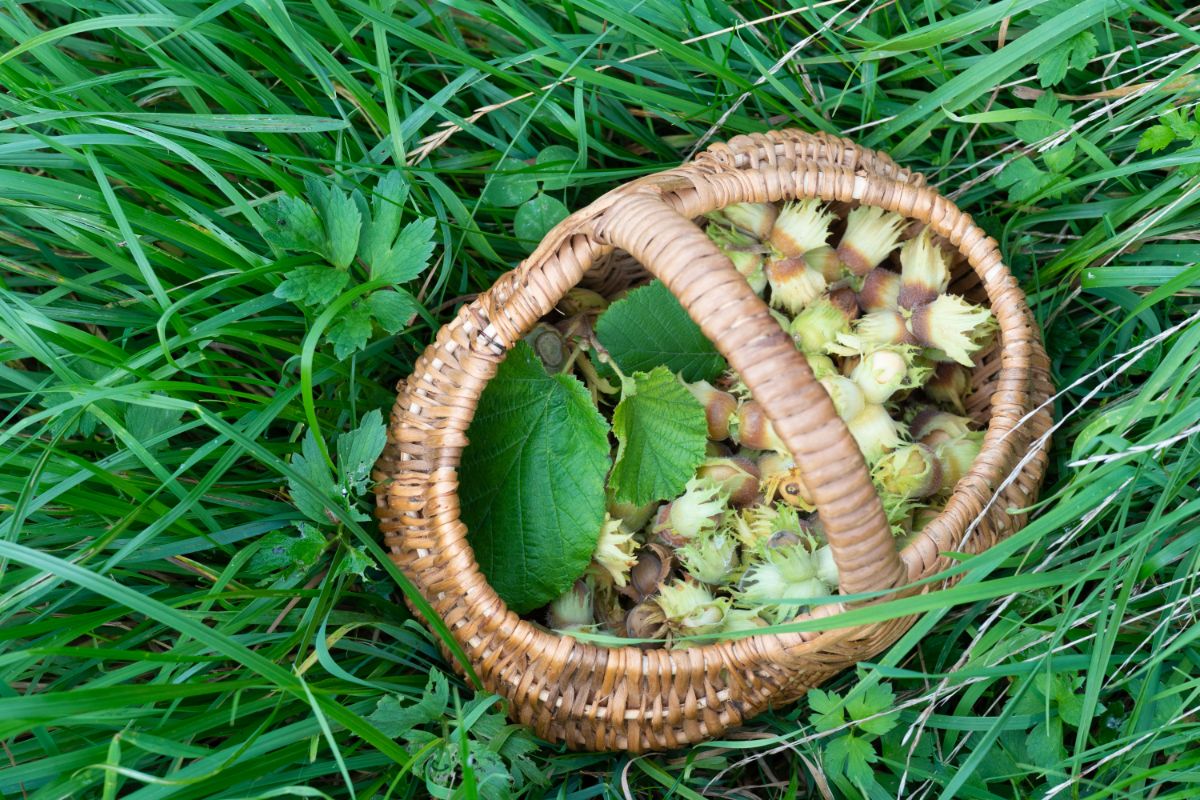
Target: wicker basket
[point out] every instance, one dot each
(633, 699)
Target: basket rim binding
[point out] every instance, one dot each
(484, 330)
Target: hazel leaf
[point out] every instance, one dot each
(532, 480)
(649, 328)
(661, 435)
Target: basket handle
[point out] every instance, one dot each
(737, 321)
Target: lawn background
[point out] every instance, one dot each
(170, 627)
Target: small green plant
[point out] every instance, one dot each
(1072, 53)
(1175, 127)
(318, 492)
(855, 724)
(512, 182)
(1023, 177)
(359, 240)
(460, 749)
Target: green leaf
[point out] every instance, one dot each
(392, 308)
(351, 331)
(354, 562)
(364, 210)
(310, 463)
(1083, 49)
(358, 450)
(828, 710)
(396, 717)
(1032, 702)
(408, 256)
(532, 480)
(852, 756)
(1044, 744)
(648, 328)
(1191, 168)
(386, 208)
(1053, 65)
(281, 554)
(490, 774)
(510, 183)
(1024, 179)
(1051, 8)
(1059, 158)
(1073, 53)
(1034, 131)
(1155, 138)
(343, 221)
(146, 422)
(871, 701)
(318, 193)
(513, 742)
(998, 765)
(925, 113)
(918, 754)
(836, 752)
(863, 707)
(880, 725)
(1070, 704)
(558, 161)
(294, 225)
(1180, 125)
(536, 217)
(314, 285)
(661, 433)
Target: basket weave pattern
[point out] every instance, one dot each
(628, 698)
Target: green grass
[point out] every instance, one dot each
(153, 390)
